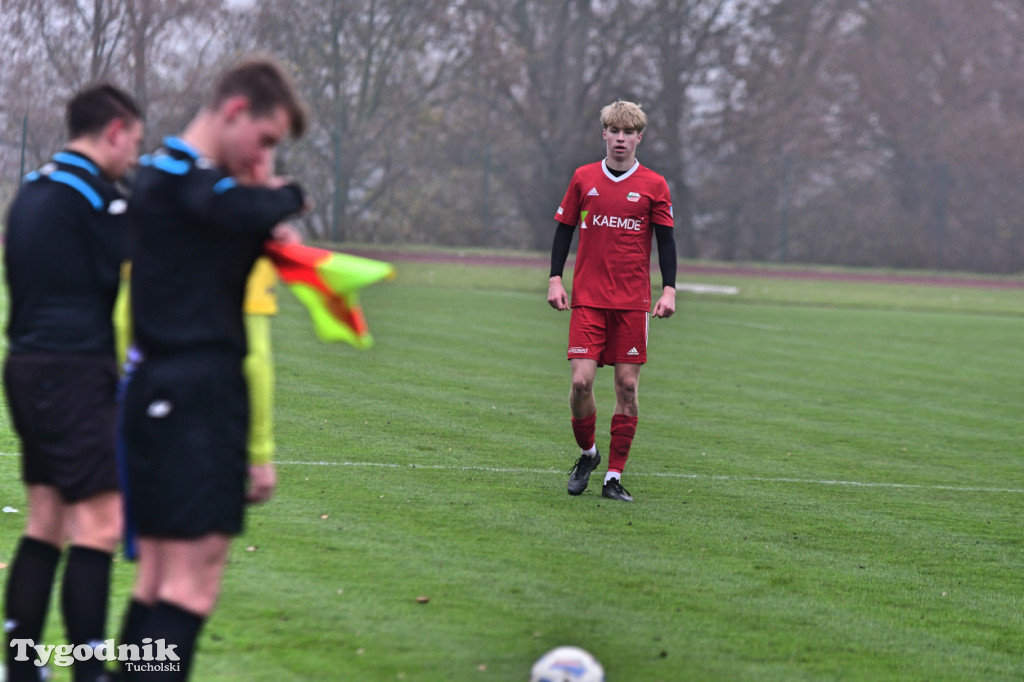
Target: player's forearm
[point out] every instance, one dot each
(243, 208)
(667, 260)
(560, 248)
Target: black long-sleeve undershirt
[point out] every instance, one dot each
(666, 254)
(560, 248)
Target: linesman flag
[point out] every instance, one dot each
(328, 284)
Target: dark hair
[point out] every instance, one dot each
(92, 108)
(262, 81)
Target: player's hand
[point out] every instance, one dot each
(277, 181)
(262, 482)
(666, 305)
(285, 233)
(557, 298)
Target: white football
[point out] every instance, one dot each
(567, 664)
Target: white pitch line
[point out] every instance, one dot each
(668, 474)
(705, 477)
(748, 325)
(696, 288)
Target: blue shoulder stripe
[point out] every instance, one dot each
(166, 164)
(77, 161)
(80, 185)
(224, 184)
(179, 145)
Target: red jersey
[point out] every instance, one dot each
(616, 217)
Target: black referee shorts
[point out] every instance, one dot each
(186, 420)
(64, 409)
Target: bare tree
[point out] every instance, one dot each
(371, 69)
(769, 127)
(80, 38)
(845, 131)
(553, 66)
(163, 50)
(687, 37)
(151, 24)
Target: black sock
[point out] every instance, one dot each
(176, 627)
(131, 628)
(26, 602)
(83, 601)
(134, 617)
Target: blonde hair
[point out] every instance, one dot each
(624, 115)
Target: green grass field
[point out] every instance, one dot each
(828, 482)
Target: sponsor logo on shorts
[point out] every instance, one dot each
(633, 351)
(578, 349)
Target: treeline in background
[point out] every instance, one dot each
(854, 132)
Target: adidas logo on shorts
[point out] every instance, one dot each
(633, 351)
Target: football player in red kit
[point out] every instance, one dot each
(619, 205)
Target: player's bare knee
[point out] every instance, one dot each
(196, 591)
(582, 386)
(103, 536)
(626, 391)
(146, 589)
(48, 530)
(108, 535)
(97, 522)
(199, 598)
(46, 515)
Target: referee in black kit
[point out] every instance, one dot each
(64, 248)
(194, 234)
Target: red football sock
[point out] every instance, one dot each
(623, 430)
(584, 429)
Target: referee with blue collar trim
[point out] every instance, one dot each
(194, 233)
(63, 253)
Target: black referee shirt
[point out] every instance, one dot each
(193, 236)
(62, 258)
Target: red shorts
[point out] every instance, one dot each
(608, 336)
